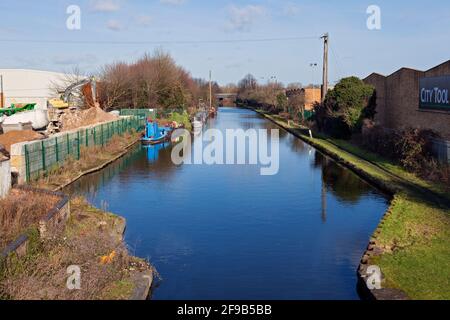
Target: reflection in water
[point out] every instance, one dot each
(226, 232)
(324, 202)
(341, 181)
(153, 151)
(91, 183)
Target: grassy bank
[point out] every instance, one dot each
(91, 159)
(90, 236)
(413, 239)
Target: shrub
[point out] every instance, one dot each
(345, 107)
(414, 148)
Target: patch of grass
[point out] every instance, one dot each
(415, 238)
(119, 290)
(415, 235)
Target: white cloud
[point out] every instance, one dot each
(242, 18)
(114, 25)
(172, 2)
(105, 5)
(144, 20)
(291, 9)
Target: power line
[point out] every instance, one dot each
(47, 41)
(338, 65)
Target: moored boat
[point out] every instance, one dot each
(154, 134)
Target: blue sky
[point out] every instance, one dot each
(413, 34)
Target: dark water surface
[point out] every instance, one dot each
(226, 232)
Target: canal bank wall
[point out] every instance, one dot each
(372, 250)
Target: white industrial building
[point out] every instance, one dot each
(30, 86)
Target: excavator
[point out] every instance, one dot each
(88, 88)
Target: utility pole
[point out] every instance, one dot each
(2, 105)
(210, 90)
(325, 38)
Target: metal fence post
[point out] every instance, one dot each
(68, 144)
(78, 145)
(95, 137)
(103, 143)
(44, 167)
(87, 138)
(27, 164)
(57, 149)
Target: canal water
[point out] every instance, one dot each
(226, 232)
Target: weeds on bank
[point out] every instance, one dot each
(90, 234)
(20, 211)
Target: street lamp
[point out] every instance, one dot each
(313, 65)
(273, 78)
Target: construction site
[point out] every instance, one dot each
(53, 130)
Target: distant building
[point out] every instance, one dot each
(308, 95)
(417, 99)
(30, 86)
(312, 96)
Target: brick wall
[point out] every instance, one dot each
(312, 95)
(398, 100)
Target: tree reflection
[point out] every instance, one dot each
(343, 183)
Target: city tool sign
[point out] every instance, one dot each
(434, 93)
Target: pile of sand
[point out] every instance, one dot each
(14, 137)
(81, 118)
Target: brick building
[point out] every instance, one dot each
(308, 95)
(400, 101)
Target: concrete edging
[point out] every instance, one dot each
(5, 176)
(143, 282)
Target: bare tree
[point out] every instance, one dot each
(114, 85)
(59, 86)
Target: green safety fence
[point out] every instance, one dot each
(142, 113)
(45, 155)
(308, 114)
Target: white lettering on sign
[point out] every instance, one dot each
(435, 95)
